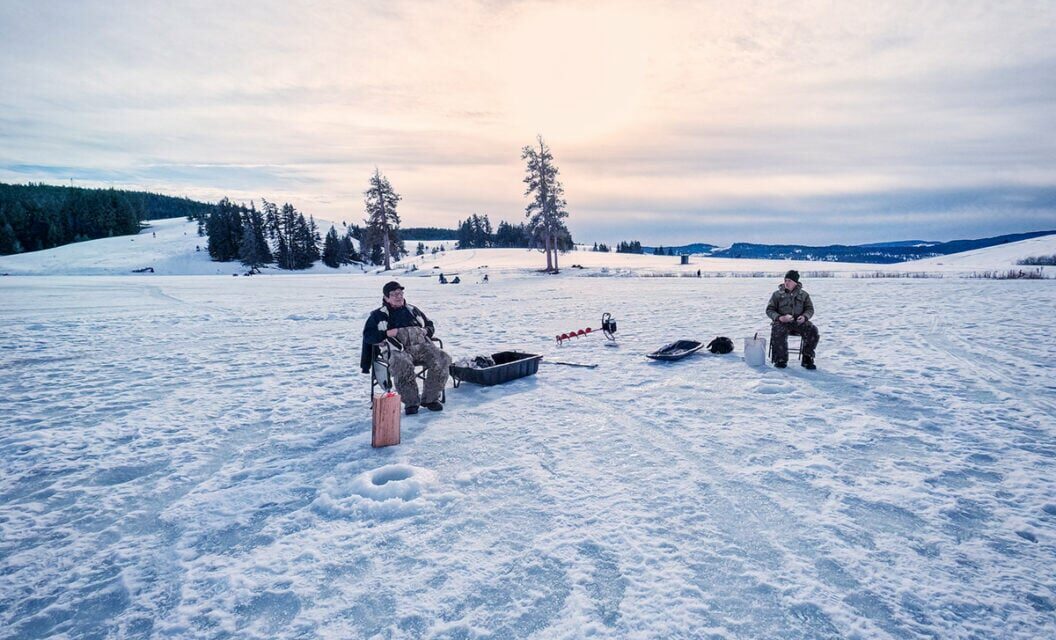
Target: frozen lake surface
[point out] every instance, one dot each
(190, 457)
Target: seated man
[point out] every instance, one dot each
(790, 309)
(403, 334)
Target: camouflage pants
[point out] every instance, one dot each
(779, 338)
(418, 349)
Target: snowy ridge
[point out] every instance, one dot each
(169, 248)
(1000, 257)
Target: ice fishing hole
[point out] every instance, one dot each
(385, 476)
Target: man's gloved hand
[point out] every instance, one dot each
(429, 331)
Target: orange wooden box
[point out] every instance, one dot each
(386, 427)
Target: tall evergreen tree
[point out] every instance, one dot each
(376, 254)
(381, 201)
(286, 230)
(481, 231)
(253, 250)
(224, 229)
(258, 251)
(465, 234)
(331, 249)
(303, 250)
(271, 218)
(348, 250)
(8, 241)
(341, 250)
(546, 210)
(313, 246)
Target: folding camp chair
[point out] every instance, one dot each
(380, 376)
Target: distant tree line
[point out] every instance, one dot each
(272, 235)
(604, 248)
(282, 235)
(1047, 261)
(629, 247)
(476, 232)
(39, 216)
(420, 250)
(429, 233)
(660, 251)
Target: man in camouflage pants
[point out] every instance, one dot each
(791, 309)
(404, 335)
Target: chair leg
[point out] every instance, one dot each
(423, 374)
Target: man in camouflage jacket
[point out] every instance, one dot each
(790, 309)
(403, 335)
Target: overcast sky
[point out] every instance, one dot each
(671, 122)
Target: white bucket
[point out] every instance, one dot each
(755, 351)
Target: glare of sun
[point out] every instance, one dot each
(575, 73)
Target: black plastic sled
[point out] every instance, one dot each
(509, 365)
(676, 350)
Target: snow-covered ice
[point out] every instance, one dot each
(190, 457)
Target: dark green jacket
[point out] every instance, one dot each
(794, 303)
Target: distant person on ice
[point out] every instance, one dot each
(790, 309)
(402, 333)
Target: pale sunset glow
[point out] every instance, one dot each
(578, 73)
(669, 121)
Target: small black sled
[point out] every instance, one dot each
(676, 350)
(508, 365)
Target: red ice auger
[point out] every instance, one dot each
(608, 327)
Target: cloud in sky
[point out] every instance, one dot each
(669, 120)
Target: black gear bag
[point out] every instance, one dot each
(720, 344)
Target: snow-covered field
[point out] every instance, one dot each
(169, 248)
(190, 457)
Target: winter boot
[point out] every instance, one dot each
(411, 409)
(780, 364)
(808, 363)
(433, 406)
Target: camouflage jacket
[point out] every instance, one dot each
(794, 303)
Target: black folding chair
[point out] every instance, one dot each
(380, 376)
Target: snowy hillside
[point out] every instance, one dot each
(189, 457)
(1000, 257)
(169, 248)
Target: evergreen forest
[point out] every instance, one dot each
(40, 216)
